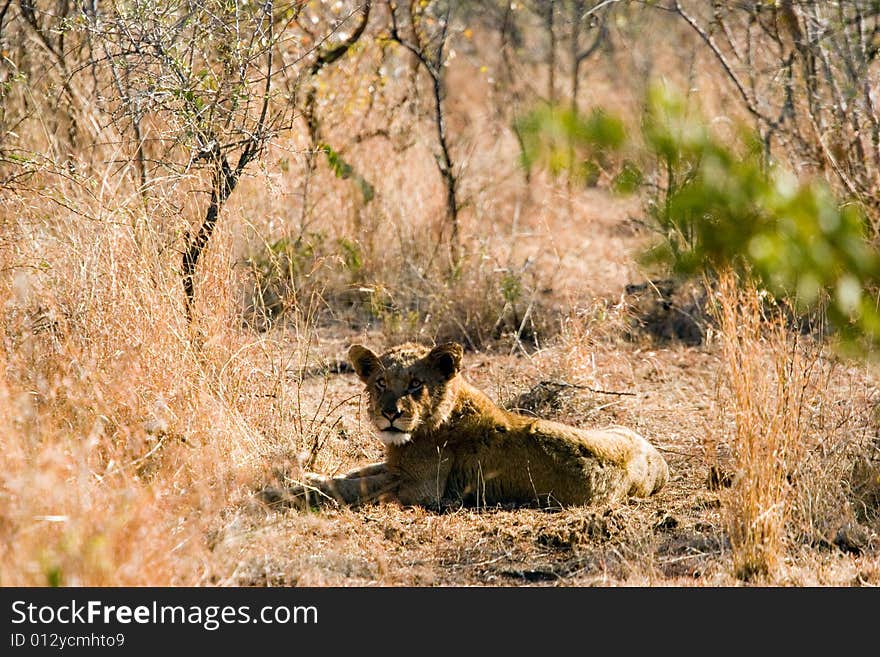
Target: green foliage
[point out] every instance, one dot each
(343, 170)
(562, 141)
(629, 179)
(703, 183)
(724, 208)
(54, 577)
(511, 287)
(352, 254)
(718, 205)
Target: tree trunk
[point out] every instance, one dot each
(224, 182)
(444, 163)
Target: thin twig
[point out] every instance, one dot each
(750, 105)
(598, 391)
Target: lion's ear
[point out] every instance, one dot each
(446, 359)
(363, 360)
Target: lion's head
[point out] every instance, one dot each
(408, 387)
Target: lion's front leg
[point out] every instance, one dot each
(424, 477)
(360, 486)
(367, 470)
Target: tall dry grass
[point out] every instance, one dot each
(124, 432)
(766, 443)
(798, 436)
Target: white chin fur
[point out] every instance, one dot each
(394, 437)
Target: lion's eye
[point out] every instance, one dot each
(415, 385)
(380, 383)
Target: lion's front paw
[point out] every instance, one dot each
(309, 490)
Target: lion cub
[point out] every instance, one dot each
(447, 442)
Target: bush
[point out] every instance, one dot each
(718, 205)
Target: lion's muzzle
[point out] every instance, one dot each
(394, 430)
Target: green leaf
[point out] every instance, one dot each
(629, 179)
(343, 170)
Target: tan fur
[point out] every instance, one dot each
(458, 446)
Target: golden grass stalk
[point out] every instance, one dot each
(766, 374)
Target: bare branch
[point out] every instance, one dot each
(709, 41)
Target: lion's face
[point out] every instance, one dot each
(408, 387)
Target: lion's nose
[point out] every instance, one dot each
(391, 413)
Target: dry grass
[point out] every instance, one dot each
(766, 375)
(122, 438)
(796, 441)
(131, 443)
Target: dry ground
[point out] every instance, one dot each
(132, 461)
(670, 393)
